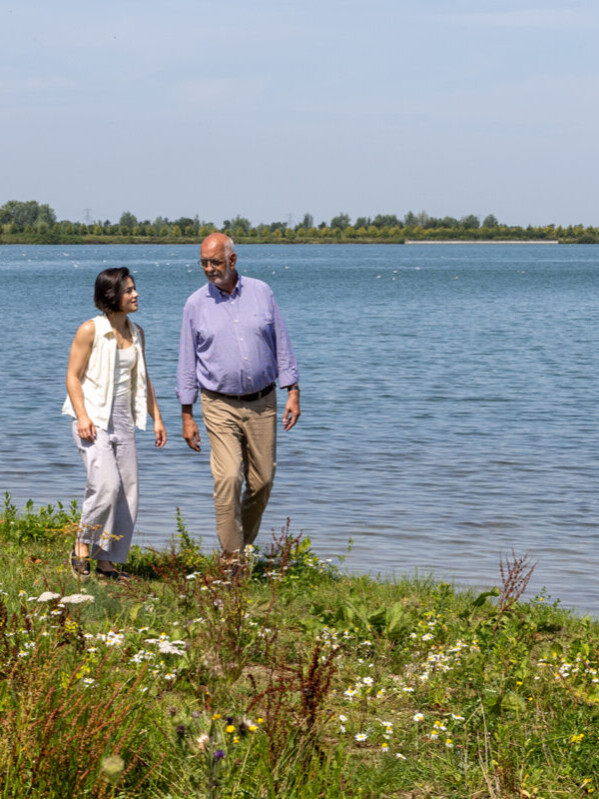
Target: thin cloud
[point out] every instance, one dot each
(219, 92)
(526, 106)
(530, 18)
(33, 84)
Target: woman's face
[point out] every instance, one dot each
(129, 296)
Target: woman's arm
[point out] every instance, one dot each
(153, 409)
(81, 349)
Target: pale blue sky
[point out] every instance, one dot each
(268, 108)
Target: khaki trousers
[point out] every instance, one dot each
(242, 438)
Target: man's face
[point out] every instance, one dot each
(219, 270)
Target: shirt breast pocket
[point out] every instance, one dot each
(265, 319)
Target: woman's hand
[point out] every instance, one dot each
(160, 433)
(86, 429)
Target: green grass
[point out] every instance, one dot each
(296, 681)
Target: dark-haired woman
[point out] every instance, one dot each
(109, 393)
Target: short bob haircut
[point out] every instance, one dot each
(109, 289)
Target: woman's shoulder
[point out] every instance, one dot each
(85, 337)
(98, 326)
(87, 330)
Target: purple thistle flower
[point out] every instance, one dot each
(219, 754)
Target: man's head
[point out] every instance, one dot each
(217, 257)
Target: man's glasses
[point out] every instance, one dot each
(215, 262)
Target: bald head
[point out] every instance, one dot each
(220, 240)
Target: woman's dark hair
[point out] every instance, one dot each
(110, 286)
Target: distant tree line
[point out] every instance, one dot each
(30, 222)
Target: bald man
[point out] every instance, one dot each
(234, 347)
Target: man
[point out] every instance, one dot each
(234, 345)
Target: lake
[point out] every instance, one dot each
(449, 399)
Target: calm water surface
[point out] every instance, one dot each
(449, 398)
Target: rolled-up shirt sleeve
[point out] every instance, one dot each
(187, 379)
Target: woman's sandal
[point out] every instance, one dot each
(111, 574)
(80, 567)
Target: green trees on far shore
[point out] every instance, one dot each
(32, 223)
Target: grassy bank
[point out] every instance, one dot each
(293, 681)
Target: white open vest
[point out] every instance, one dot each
(98, 380)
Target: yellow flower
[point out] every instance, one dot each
(230, 728)
(260, 721)
(576, 739)
(216, 716)
(253, 728)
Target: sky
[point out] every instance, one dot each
(271, 109)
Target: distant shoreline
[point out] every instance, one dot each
(481, 241)
(138, 240)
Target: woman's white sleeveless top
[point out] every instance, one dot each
(123, 371)
(98, 383)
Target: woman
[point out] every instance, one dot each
(109, 392)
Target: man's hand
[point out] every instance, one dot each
(190, 430)
(292, 410)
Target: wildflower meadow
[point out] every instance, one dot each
(292, 679)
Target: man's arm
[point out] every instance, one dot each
(187, 381)
(286, 360)
(287, 369)
(187, 378)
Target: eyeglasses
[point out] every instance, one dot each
(215, 262)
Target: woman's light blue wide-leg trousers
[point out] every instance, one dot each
(111, 498)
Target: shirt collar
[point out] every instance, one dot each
(105, 328)
(103, 325)
(216, 292)
(237, 289)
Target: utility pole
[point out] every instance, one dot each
(87, 215)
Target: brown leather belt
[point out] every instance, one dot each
(245, 397)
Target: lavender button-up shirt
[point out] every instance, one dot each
(233, 343)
